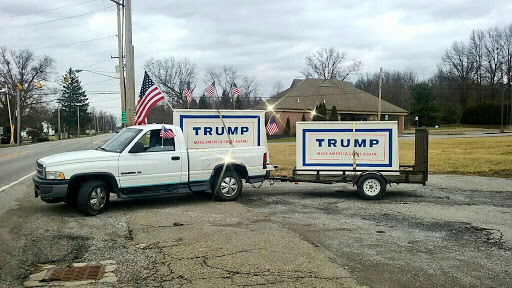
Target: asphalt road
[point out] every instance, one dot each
(454, 232)
(17, 162)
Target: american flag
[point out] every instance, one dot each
(166, 133)
(236, 91)
(188, 92)
(148, 97)
(272, 126)
(210, 89)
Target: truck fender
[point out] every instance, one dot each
(239, 168)
(78, 179)
(356, 179)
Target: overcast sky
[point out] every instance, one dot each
(266, 39)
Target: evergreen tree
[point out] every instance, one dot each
(73, 98)
(316, 115)
(287, 127)
(238, 103)
(204, 102)
(324, 112)
(423, 105)
(334, 114)
(303, 118)
(225, 101)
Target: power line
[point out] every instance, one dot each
(72, 43)
(55, 20)
(52, 9)
(97, 82)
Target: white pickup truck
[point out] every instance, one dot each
(137, 162)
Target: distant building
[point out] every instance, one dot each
(352, 104)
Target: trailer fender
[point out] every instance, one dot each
(356, 179)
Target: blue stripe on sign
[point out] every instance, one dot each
(182, 117)
(387, 165)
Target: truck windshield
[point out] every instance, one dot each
(121, 140)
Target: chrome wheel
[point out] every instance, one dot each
(98, 198)
(371, 187)
(228, 186)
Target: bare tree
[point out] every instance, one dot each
(329, 63)
(493, 59)
(277, 88)
(507, 61)
(395, 86)
(224, 78)
(458, 65)
(476, 52)
(27, 69)
(172, 75)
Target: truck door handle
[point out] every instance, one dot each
(175, 158)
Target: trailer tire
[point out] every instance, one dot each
(228, 186)
(371, 186)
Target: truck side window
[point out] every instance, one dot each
(153, 142)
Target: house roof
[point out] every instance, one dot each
(305, 94)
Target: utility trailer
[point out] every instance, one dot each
(362, 153)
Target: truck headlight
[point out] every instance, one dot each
(54, 175)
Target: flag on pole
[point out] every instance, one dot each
(210, 90)
(188, 92)
(236, 91)
(166, 133)
(272, 126)
(148, 97)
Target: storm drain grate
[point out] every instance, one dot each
(93, 272)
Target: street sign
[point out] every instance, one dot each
(123, 117)
(416, 118)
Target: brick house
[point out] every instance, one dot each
(352, 104)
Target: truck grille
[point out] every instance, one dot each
(40, 170)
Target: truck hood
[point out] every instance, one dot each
(78, 157)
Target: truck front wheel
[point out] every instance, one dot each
(371, 186)
(228, 186)
(93, 197)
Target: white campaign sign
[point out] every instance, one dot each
(335, 145)
(203, 129)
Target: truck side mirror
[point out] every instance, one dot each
(137, 148)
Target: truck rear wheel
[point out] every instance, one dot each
(93, 197)
(228, 186)
(371, 186)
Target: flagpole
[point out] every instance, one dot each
(233, 97)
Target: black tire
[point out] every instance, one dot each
(227, 186)
(93, 189)
(371, 186)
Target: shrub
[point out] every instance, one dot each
(287, 127)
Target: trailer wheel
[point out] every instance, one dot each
(371, 186)
(228, 186)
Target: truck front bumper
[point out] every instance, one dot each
(50, 191)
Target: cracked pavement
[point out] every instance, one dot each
(455, 232)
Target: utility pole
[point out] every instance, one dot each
(380, 94)
(502, 127)
(58, 122)
(78, 118)
(18, 111)
(120, 56)
(130, 73)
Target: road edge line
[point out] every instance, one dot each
(17, 181)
